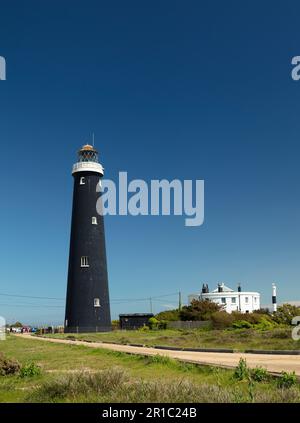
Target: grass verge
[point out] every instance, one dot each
(71, 373)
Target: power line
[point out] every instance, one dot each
(120, 300)
(32, 305)
(31, 296)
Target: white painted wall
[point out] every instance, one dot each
(246, 302)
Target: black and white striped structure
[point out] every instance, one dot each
(87, 304)
(274, 297)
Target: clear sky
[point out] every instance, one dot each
(172, 89)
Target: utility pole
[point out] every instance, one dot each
(179, 300)
(151, 309)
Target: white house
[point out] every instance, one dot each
(243, 301)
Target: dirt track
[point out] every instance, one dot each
(273, 363)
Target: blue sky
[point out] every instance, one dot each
(172, 89)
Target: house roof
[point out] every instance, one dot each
(225, 289)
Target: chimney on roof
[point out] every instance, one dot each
(205, 289)
(239, 288)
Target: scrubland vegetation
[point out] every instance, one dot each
(47, 372)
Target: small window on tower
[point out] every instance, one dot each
(82, 180)
(94, 220)
(96, 302)
(84, 261)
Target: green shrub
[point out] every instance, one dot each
(199, 310)
(222, 320)
(241, 324)
(287, 380)
(144, 328)
(8, 366)
(259, 374)
(168, 315)
(30, 370)
(285, 314)
(160, 359)
(253, 318)
(241, 371)
(162, 324)
(265, 324)
(153, 323)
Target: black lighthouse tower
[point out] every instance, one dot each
(87, 305)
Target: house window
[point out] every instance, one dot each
(94, 220)
(82, 180)
(84, 261)
(233, 300)
(246, 300)
(223, 300)
(96, 302)
(255, 299)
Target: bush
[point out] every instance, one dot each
(285, 314)
(241, 324)
(162, 324)
(259, 374)
(287, 380)
(168, 315)
(199, 310)
(253, 318)
(153, 323)
(8, 366)
(144, 329)
(222, 320)
(30, 370)
(160, 359)
(241, 371)
(265, 324)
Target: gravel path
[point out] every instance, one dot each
(273, 363)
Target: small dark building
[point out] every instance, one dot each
(134, 321)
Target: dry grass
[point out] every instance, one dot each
(116, 385)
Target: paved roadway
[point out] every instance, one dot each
(273, 363)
